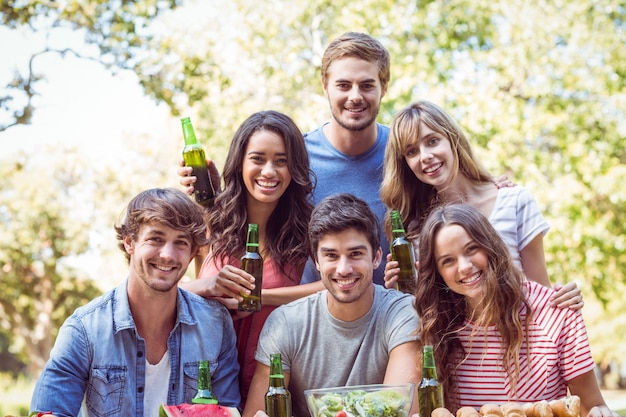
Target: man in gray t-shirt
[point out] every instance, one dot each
(352, 333)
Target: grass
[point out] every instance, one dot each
(15, 395)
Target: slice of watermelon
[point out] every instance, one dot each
(197, 410)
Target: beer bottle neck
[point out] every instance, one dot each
(188, 133)
(277, 381)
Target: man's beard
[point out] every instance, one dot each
(354, 126)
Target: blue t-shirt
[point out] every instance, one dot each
(360, 175)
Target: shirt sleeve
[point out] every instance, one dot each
(61, 386)
(574, 346)
(530, 221)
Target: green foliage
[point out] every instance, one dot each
(41, 231)
(539, 87)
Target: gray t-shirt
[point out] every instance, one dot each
(320, 351)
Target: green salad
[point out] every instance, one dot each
(384, 403)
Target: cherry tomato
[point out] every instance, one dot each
(341, 414)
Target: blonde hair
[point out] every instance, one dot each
(400, 189)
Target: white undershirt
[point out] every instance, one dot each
(157, 383)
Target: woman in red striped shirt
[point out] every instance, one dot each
(496, 337)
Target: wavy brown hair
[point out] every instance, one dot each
(286, 233)
(443, 312)
(401, 189)
(167, 206)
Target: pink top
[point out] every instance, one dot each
(559, 352)
(249, 328)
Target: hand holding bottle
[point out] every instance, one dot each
(187, 180)
(392, 270)
(226, 286)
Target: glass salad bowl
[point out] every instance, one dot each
(378, 400)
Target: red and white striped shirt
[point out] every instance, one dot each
(559, 352)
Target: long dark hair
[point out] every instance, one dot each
(286, 232)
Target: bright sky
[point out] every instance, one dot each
(79, 103)
(79, 100)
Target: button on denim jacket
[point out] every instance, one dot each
(99, 357)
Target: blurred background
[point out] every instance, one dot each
(92, 92)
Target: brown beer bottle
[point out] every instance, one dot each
(205, 392)
(429, 392)
(193, 154)
(277, 398)
(401, 250)
(252, 263)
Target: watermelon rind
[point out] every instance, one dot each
(197, 410)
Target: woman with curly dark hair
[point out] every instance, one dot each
(267, 181)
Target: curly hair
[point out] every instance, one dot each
(443, 313)
(400, 189)
(167, 206)
(286, 232)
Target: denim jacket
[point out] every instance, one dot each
(99, 357)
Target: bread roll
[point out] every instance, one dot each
(491, 410)
(467, 412)
(512, 409)
(529, 409)
(566, 407)
(542, 409)
(441, 412)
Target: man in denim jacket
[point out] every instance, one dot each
(139, 345)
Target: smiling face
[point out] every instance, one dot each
(346, 263)
(159, 256)
(431, 158)
(354, 92)
(462, 263)
(265, 171)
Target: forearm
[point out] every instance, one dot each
(284, 295)
(586, 387)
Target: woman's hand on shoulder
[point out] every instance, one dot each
(503, 181)
(567, 296)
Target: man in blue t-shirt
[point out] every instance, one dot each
(346, 153)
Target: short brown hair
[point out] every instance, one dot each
(362, 46)
(340, 212)
(167, 206)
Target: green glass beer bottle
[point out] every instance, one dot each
(205, 392)
(252, 263)
(401, 250)
(277, 398)
(193, 154)
(429, 392)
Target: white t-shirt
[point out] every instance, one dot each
(157, 383)
(518, 220)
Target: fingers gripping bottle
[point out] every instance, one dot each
(194, 156)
